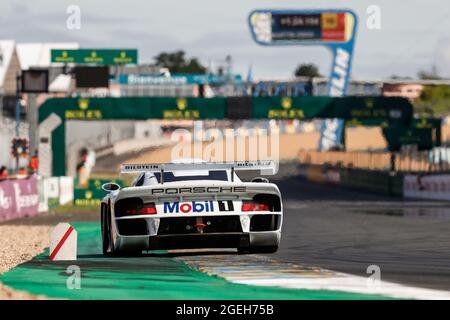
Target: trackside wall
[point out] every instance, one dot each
(381, 182)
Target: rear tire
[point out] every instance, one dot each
(107, 244)
(105, 232)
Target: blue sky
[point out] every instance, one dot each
(415, 34)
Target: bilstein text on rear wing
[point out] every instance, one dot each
(267, 167)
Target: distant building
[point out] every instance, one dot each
(410, 89)
(38, 55)
(300, 86)
(9, 67)
(15, 57)
(305, 86)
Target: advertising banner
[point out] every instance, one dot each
(334, 29)
(65, 190)
(43, 201)
(51, 191)
(7, 200)
(434, 187)
(177, 79)
(95, 56)
(18, 198)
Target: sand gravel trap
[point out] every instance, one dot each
(22, 239)
(7, 293)
(20, 243)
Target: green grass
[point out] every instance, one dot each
(71, 208)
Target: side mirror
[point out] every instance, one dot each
(109, 187)
(260, 179)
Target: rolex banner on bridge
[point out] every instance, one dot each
(143, 108)
(391, 110)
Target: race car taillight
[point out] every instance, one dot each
(147, 209)
(254, 206)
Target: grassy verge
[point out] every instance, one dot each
(71, 208)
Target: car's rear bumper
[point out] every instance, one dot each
(225, 231)
(198, 240)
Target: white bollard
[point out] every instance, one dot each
(63, 243)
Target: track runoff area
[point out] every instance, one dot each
(336, 244)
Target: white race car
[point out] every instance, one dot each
(192, 205)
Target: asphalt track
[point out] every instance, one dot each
(324, 227)
(346, 231)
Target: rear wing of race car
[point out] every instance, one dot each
(267, 167)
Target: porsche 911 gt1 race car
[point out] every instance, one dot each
(192, 205)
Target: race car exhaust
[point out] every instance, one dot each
(199, 224)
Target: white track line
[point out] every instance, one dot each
(263, 271)
(350, 283)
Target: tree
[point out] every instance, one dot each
(177, 63)
(429, 75)
(397, 77)
(435, 99)
(307, 70)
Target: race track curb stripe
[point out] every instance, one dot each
(156, 275)
(60, 243)
(259, 270)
